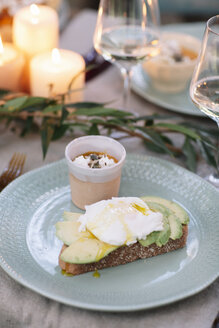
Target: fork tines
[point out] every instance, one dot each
(13, 170)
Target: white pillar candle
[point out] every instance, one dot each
(51, 74)
(35, 30)
(11, 66)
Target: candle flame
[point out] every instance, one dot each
(56, 56)
(1, 46)
(35, 11)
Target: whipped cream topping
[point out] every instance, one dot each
(171, 52)
(94, 161)
(120, 220)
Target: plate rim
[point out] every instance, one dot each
(156, 101)
(95, 307)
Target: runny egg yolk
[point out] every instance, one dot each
(139, 208)
(120, 221)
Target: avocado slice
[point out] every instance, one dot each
(175, 227)
(158, 237)
(68, 232)
(150, 239)
(71, 216)
(174, 222)
(164, 235)
(172, 226)
(86, 250)
(174, 207)
(156, 207)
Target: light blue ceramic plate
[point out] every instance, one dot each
(178, 102)
(32, 204)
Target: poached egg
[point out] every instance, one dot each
(120, 220)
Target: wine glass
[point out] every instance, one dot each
(204, 88)
(126, 33)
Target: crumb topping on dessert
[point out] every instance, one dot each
(173, 52)
(95, 160)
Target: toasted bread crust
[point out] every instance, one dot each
(125, 254)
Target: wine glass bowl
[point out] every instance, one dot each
(204, 87)
(126, 33)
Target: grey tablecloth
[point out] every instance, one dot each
(20, 307)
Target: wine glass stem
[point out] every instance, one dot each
(127, 87)
(214, 178)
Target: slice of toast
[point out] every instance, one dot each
(125, 254)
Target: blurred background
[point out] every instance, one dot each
(172, 11)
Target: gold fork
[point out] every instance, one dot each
(13, 170)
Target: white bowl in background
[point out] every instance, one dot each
(172, 77)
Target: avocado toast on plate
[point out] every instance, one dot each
(119, 231)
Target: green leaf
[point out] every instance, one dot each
(25, 103)
(94, 130)
(155, 117)
(59, 132)
(207, 154)
(101, 111)
(207, 141)
(189, 152)
(151, 146)
(4, 110)
(9, 120)
(15, 104)
(166, 139)
(47, 131)
(76, 124)
(27, 126)
(115, 121)
(149, 123)
(155, 138)
(179, 128)
(65, 114)
(2, 118)
(53, 108)
(209, 130)
(96, 115)
(79, 126)
(84, 104)
(33, 101)
(4, 92)
(97, 121)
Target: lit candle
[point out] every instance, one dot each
(52, 72)
(35, 30)
(11, 66)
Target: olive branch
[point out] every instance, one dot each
(53, 118)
